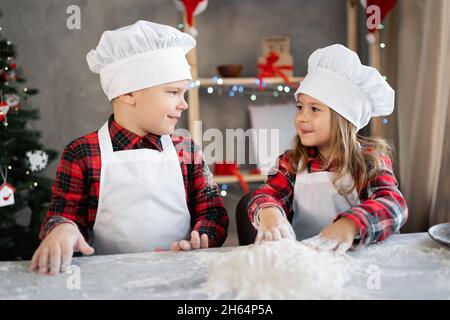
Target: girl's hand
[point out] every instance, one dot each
(338, 236)
(273, 226)
(196, 242)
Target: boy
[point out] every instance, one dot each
(132, 186)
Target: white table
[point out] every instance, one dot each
(179, 275)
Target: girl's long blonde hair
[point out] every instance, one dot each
(346, 155)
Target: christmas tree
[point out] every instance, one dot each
(22, 159)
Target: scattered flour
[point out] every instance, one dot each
(280, 270)
(4, 268)
(291, 270)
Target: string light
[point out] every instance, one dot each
(35, 184)
(382, 45)
(252, 94)
(235, 89)
(224, 192)
(9, 167)
(28, 172)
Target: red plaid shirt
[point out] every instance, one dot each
(381, 212)
(75, 191)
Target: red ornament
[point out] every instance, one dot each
(192, 7)
(385, 7)
(4, 107)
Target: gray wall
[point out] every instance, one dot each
(71, 100)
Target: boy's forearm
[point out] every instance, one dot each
(206, 203)
(51, 223)
(67, 194)
(215, 224)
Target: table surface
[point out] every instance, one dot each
(414, 267)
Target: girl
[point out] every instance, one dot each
(335, 187)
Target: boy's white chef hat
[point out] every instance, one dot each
(337, 78)
(140, 56)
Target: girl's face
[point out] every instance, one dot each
(313, 123)
(158, 109)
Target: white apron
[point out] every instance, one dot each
(142, 199)
(317, 202)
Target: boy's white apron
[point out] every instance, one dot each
(317, 202)
(142, 200)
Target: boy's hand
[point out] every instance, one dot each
(54, 255)
(273, 226)
(196, 242)
(338, 236)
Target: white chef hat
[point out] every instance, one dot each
(140, 56)
(337, 78)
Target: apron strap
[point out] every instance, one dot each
(104, 140)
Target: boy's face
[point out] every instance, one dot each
(313, 122)
(158, 109)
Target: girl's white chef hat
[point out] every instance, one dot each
(337, 78)
(140, 56)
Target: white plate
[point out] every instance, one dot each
(440, 233)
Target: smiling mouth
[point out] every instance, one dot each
(305, 131)
(173, 117)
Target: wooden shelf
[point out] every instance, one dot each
(209, 82)
(233, 179)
